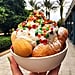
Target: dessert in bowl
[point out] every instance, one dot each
(38, 45)
(41, 64)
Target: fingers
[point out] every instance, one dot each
(54, 71)
(14, 66)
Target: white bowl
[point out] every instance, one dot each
(40, 64)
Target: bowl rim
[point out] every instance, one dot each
(43, 56)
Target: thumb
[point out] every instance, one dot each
(14, 66)
(54, 71)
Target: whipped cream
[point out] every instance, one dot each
(36, 30)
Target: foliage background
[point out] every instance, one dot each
(12, 12)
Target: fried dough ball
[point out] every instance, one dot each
(22, 47)
(48, 49)
(44, 50)
(62, 34)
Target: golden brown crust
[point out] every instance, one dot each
(41, 50)
(22, 47)
(46, 50)
(62, 34)
(13, 36)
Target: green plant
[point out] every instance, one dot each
(5, 43)
(12, 12)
